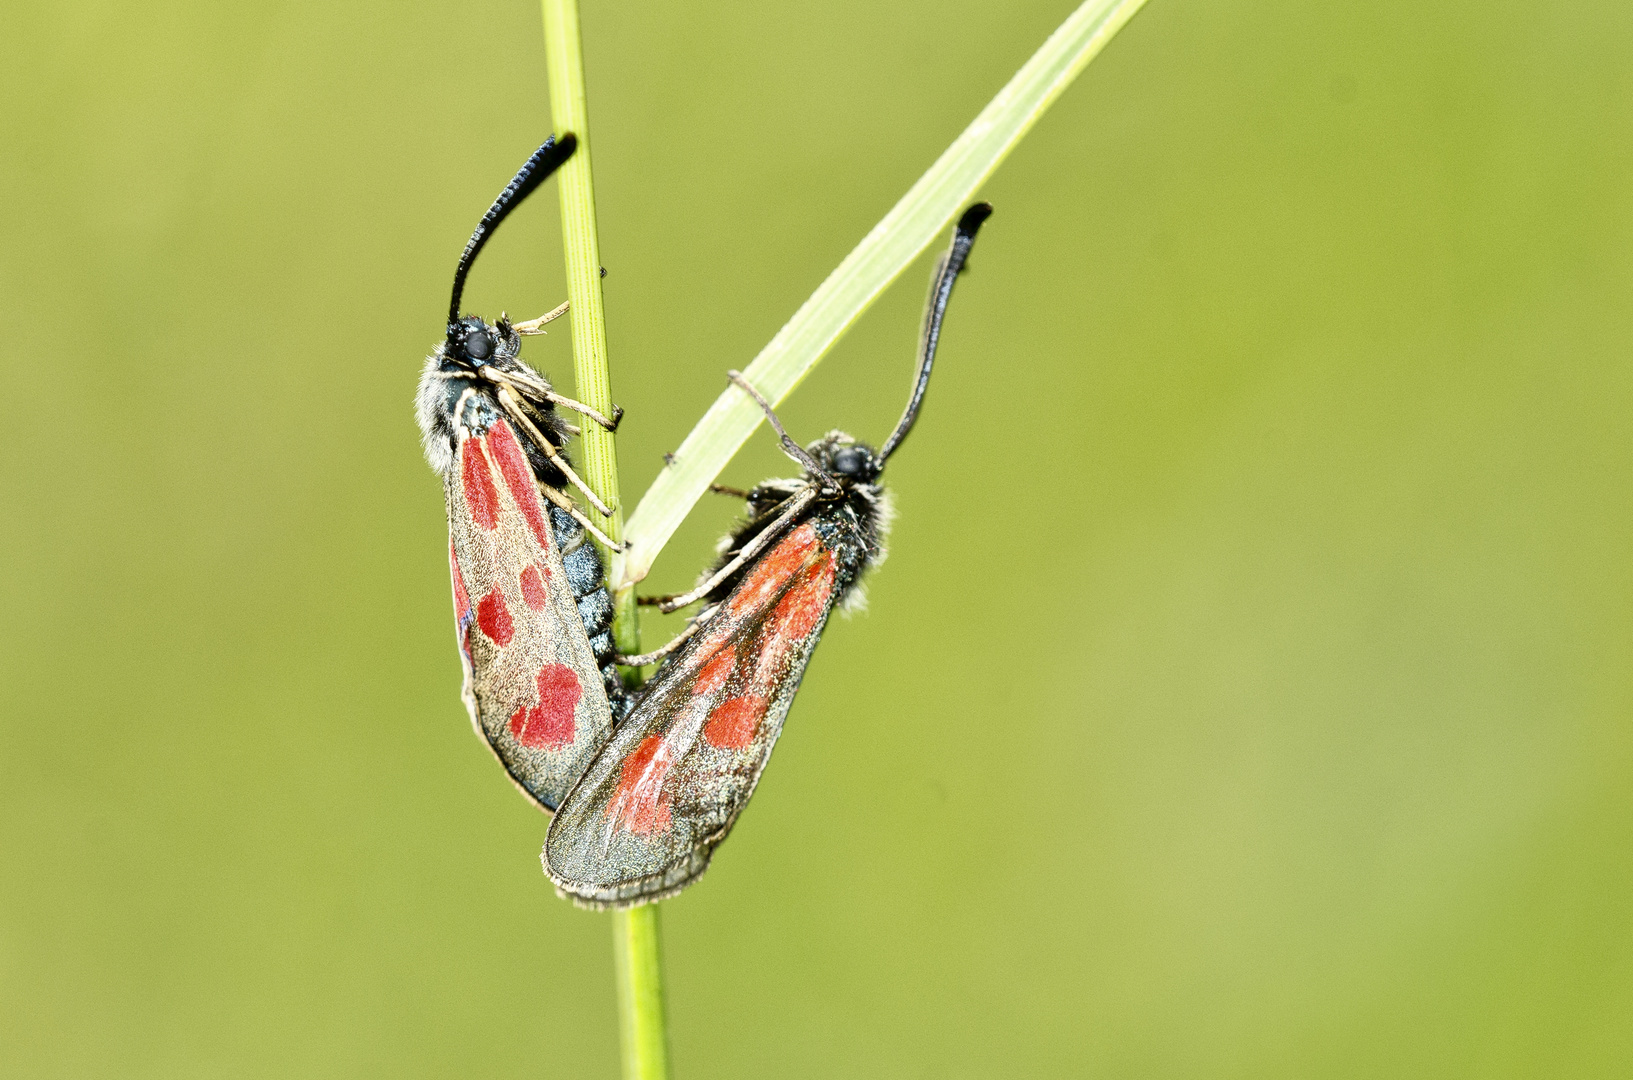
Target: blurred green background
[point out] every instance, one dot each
(1247, 694)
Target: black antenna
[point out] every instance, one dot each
(545, 160)
(941, 290)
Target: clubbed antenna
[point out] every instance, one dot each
(941, 290)
(545, 160)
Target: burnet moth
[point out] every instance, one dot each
(531, 608)
(643, 821)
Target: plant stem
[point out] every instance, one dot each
(570, 113)
(641, 1021)
(642, 1036)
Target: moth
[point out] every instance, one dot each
(643, 821)
(531, 608)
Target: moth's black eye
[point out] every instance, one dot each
(850, 462)
(478, 346)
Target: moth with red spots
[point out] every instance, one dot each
(531, 608)
(643, 821)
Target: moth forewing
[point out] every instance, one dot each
(646, 817)
(532, 683)
(532, 612)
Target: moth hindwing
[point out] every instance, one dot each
(531, 609)
(645, 818)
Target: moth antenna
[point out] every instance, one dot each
(789, 446)
(947, 270)
(545, 160)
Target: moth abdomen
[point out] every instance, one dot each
(582, 560)
(586, 579)
(595, 610)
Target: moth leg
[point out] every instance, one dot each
(540, 388)
(796, 506)
(538, 414)
(515, 409)
(654, 601)
(658, 654)
(789, 446)
(580, 407)
(536, 326)
(578, 515)
(722, 489)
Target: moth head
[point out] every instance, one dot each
(471, 343)
(846, 460)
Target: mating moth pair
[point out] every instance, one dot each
(642, 786)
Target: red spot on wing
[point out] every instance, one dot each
(731, 725)
(462, 599)
(715, 672)
(795, 617)
(533, 593)
(494, 618)
(549, 724)
(773, 569)
(803, 606)
(639, 803)
(507, 454)
(481, 497)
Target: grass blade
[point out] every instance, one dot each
(912, 225)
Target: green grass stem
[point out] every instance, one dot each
(569, 111)
(644, 1036)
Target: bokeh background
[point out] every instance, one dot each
(1247, 694)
